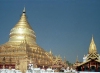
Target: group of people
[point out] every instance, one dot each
(31, 69)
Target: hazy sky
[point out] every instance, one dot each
(64, 26)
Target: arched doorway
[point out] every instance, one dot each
(93, 69)
(79, 69)
(86, 68)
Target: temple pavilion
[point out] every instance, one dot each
(91, 61)
(22, 49)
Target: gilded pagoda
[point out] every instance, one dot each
(22, 48)
(91, 61)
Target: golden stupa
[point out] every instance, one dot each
(22, 47)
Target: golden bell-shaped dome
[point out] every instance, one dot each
(92, 48)
(22, 29)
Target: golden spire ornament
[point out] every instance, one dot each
(92, 47)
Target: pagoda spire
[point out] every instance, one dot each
(77, 59)
(92, 47)
(21, 29)
(24, 10)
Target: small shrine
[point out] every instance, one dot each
(91, 61)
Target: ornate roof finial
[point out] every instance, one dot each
(92, 48)
(92, 37)
(64, 58)
(77, 59)
(24, 10)
(50, 52)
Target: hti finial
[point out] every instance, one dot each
(24, 10)
(92, 37)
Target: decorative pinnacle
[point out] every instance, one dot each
(77, 59)
(64, 58)
(24, 10)
(92, 38)
(50, 52)
(92, 48)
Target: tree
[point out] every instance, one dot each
(69, 64)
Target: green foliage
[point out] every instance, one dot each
(69, 64)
